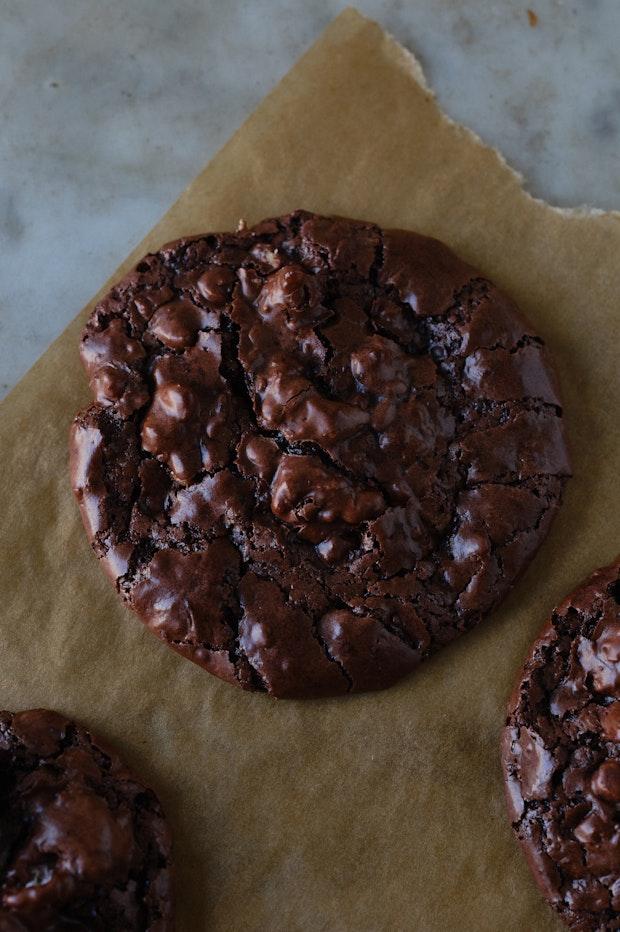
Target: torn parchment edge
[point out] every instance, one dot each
(412, 66)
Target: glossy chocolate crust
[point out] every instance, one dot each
(561, 756)
(318, 450)
(83, 844)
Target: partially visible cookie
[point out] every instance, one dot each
(561, 756)
(83, 843)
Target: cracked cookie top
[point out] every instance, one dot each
(561, 756)
(83, 844)
(317, 451)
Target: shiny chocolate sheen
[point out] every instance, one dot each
(561, 756)
(83, 844)
(318, 450)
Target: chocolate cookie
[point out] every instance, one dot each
(83, 844)
(318, 450)
(561, 756)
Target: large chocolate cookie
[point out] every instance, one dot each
(83, 844)
(561, 756)
(318, 451)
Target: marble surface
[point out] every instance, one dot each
(109, 108)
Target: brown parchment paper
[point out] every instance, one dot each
(381, 811)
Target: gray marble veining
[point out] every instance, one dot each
(108, 109)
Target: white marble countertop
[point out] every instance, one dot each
(108, 108)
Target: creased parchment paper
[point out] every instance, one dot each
(380, 811)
